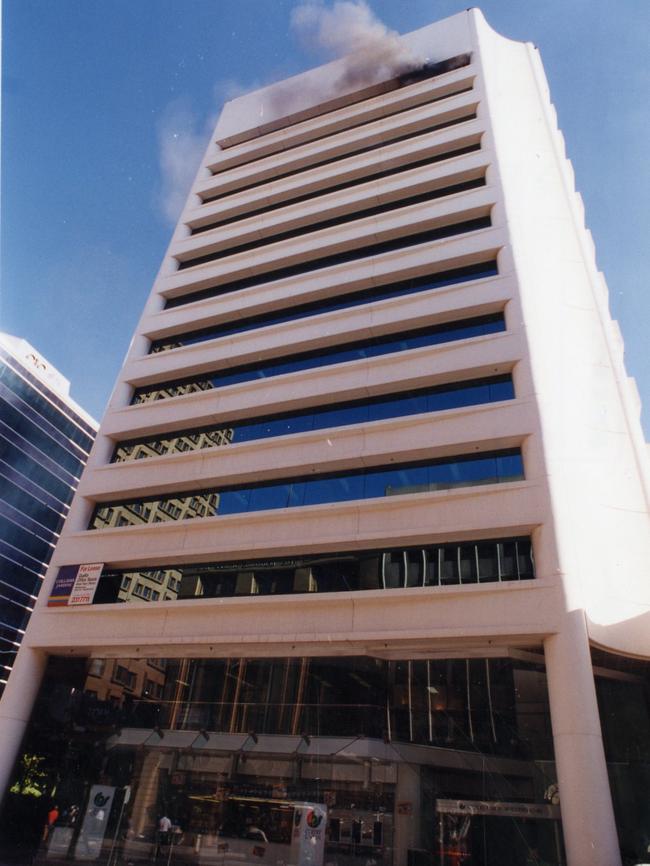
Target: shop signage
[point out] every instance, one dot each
(75, 584)
(497, 808)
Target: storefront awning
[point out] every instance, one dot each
(341, 748)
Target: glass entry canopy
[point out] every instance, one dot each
(297, 761)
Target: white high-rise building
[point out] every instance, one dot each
(367, 515)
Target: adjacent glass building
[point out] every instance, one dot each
(45, 439)
(356, 574)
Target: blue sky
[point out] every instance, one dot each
(105, 101)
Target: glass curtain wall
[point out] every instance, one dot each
(623, 690)
(342, 761)
(44, 444)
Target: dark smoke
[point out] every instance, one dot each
(348, 29)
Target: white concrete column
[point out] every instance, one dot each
(406, 826)
(590, 833)
(16, 708)
(146, 793)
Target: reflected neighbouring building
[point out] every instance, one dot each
(410, 761)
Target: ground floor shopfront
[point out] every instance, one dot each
(348, 761)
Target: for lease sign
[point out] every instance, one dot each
(75, 584)
(83, 590)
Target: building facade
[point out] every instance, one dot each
(45, 439)
(367, 514)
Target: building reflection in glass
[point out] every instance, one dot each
(173, 444)
(385, 756)
(489, 561)
(497, 467)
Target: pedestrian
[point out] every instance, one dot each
(52, 818)
(164, 827)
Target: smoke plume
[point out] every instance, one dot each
(349, 29)
(182, 139)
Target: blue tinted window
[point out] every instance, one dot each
(24, 540)
(350, 255)
(353, 412)
(388, 137)
(346, 184)
(26, 464)
(15, 554)
(396, 482)
(40, 434)
(336, 489)
(340, 219)
(25, 520)
(27, 498)
(324, 357)
(13, 615)
(409, 404)
(233, 501)
(336, 416)
(19, 577)
(346, 301)
(339, 487)
(264, 498)
(51, 409)
(463, 472)
(501, 389)
(509, 466)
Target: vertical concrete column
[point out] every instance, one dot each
(585, 799)
(16, 708)
(406, 827)
(147, 793)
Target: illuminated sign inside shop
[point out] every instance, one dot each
(497, 808)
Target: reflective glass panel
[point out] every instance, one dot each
(310, 761)
(340, 487)
(338, 415)
(332, 572)
(332, 259)
(376, 347)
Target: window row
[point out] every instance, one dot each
(29, 463)
(363, 349)
(454, 396)
(24, 496)
(15, 593)
(330, 222)
(51, 409)
(25, 520)
(39, 546)
(20, 422)
(349, 255)
(348, 183)
(51, 397)
(22, 579)
(450, 564)
(464, 470)
(14, 554)
(363, 117)
(440, 279)
(14, 612)
(433, 124)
